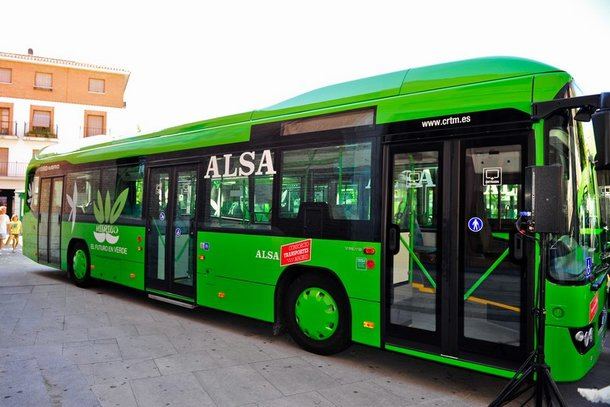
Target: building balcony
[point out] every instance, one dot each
(13, 169)
(46, 132)
(26, 131)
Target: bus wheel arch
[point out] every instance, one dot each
(297, 281)
(79, 263)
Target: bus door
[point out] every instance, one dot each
(455, 278)
(414, 285)
(49, 220)
(171, 230)
(492, 290)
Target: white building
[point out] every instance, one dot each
(47, 101)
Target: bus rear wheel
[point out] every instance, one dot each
(317, 315)
(79, 265)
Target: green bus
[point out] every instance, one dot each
(379, 211)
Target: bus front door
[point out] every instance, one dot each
(414, 307)
(455, 285)
(49, 220)
(171, 230)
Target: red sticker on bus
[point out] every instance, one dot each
(593, 307)
(297, 252)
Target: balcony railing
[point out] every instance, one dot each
(13, 169)
(8, 128)
(25, 130)
(40, 131)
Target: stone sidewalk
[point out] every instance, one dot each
(65, 346)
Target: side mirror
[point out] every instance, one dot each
(601, 128)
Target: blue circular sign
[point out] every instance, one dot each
(475, 224)
(178, 232)
(161, 216)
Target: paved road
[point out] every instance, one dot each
(65, 346)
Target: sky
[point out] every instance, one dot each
(196, 60)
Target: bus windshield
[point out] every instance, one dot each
(570, 146)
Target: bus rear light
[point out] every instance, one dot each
(369, 250)
(201, 257)
(139, 239)
(370, 264)
(368, 324)
(221, 295)
(139, 248)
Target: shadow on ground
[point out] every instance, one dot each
(418, 376)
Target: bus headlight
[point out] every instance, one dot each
(583, 338)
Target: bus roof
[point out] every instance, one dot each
(236, 128)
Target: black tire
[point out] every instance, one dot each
(341, 337)
(83, 281)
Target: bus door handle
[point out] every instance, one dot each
(394, 239)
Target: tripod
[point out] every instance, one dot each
(534, 373)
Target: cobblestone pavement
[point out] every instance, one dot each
(65, 346)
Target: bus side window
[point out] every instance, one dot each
(338, 175)
(130, 178)
(589, 222)
(116, 180)
(83, 187)
(238, 201)
(263, 191)
(33, 190)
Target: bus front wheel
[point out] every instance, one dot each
(318, 315)
(79, 265)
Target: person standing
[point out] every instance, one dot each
(4, 221)
(15, 231)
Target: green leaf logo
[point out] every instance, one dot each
(107, 208)
(105, 212)
(118, 206)
(98, 208)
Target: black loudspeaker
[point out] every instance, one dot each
(601, 129)
(545, 198)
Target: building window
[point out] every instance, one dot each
(6, 75)
(41, 122)
(5, 121)
(97, 85)
(43, 81)
(95, 124)
(3, 161)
